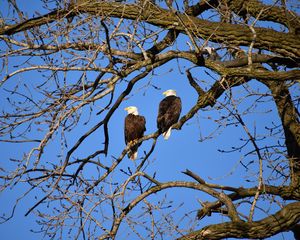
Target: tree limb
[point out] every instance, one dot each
(287, 44)
(268, 13)
(291, 127)
(282, 220)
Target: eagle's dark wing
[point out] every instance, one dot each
(134, 128)
(168, 112)
(140, 125)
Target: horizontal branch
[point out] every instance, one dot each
(250, 73)
(263, 58)
(285, 192)
(266, 12)
(282, 220)
(33, 22)
(284, 43)
(287, 44)
(56, 69)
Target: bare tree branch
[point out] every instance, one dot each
(285, 219)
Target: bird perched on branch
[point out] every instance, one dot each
(135, 126)
(168, 112)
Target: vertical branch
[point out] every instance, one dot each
(251, 45)
(291, 127)
(257, 150)
(259, 188)
(254, 35)
(110, 56)
(254, 38)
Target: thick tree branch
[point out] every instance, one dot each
(285, 192)
(200, 7)
(250, 73)
(266, 12)
(173, 34)
(291, 127)
(262, 58)
(283, 43)
(282, 220)
(33, 22)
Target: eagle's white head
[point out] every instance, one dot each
(132, 110)
(169, 92)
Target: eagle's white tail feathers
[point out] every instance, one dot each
(134, 156)
(167, 134)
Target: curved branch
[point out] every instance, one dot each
(33, 22)
(158, 188)
(284, 192)
(283, 43)
(253, 73)
(268, 13)
(282, 220)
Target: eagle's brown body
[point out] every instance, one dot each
(135, 126)
(168, 114)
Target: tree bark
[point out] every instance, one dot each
(283, 220)
(268, 39)
(287, 44)
(291, 127)
(265, 12)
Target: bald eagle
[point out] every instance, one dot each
(135, 126)
(168, 112)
